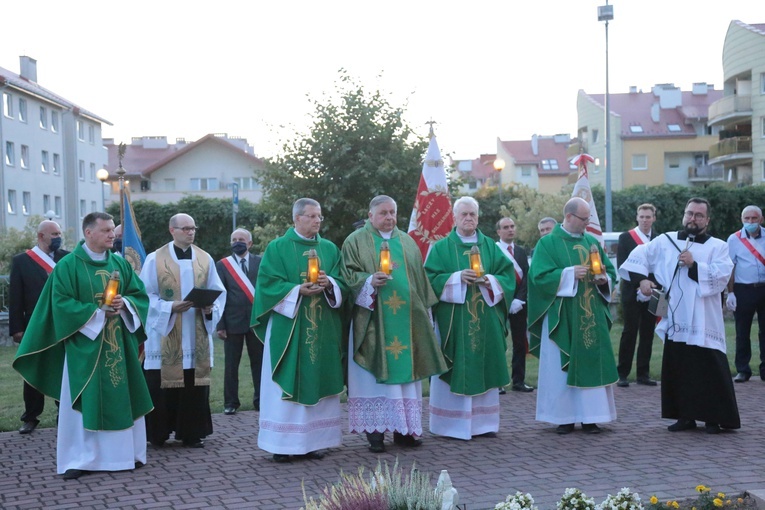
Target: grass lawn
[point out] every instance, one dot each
(12, 404)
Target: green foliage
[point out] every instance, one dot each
(359, 146)
(14, 241)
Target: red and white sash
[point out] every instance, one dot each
(518, 270)
(239, 277)
(42, 259)
(637, 236)
(750, 247)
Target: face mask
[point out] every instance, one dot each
(55, 244)
(239, 248)
(117, 246)
(752, 227)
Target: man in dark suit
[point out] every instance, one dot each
(238, 273)
(637, 318)
(29, 272)
(517, 308)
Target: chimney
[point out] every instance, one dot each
(28, 67)
(700, 89)
(655, 112)
(633, 89)
(535, 145)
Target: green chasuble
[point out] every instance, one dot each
(306, 353)
(473, 334)
(105, 377)
(395, 341)
(580, 326)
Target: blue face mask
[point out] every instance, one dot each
(55, 244)
(751, 227)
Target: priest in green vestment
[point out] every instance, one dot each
(86, 355)
(300, 324)
(569, 325)
(392, 345)
(472, 323)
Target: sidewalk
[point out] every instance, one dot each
(636, 451)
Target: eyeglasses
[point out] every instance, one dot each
(583, 219)
(696, 216)
(313, 216)
(187, 229)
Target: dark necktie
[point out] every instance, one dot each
(244, 266)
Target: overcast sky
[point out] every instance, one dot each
(480, 69)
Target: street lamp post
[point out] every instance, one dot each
(499, 165)
(606, 13)
(102, 175)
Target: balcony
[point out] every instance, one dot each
(731, 150)
(705, 174)
(730, 109)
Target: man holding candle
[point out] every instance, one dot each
(76, 351)
(299, 322)
(472, 278)
(179, 348)
(392, 343)
(569, 325)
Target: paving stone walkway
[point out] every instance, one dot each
(636, 451)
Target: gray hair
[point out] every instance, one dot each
(751, 208)
(244, 231)
(379, 200)
(300, 204)
(463, 201)
(547, 219)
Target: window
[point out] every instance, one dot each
(46, 204)
(762, 128)
(45, 162)
(81, 170)
(92, 172)
(24, 156)
(204, 184)
(26, 203)
(472, 185)
(595, 134)
(526, 171)
(246, 183)
(54, 121)
(636, 129)
(549, 164)
(57, 210)
(93, 206)
(80, 131)
(91, 134)
(673, 128)
(7, 105)
(83, 208)
(56, 164)
(22, 109)
(169, 184)
(145, 185)
(43, 118)
(11, 201)
(639, 162)
(762, 83)
(10, 154)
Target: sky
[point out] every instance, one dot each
(479, 69)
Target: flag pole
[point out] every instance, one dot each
(121, 176)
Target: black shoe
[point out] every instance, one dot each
(591, 428)
(28, 427)
(741, 377)
(502, 391)
(525, 388)
(157, 443)
(646, 381)
(623, 383)
(256, 405)
(407, 441)
(682, 425)
(139, 464)
(281, 459)
(565, 429)
(193, 443)
(229, 411)
(316, 455)
(487, 434)
(376, 441)
(712, 428)
(73, 474)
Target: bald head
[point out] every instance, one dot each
(47, 231)
(576, 215)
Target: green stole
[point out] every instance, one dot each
(473, 334)
(305, 351)
(580, 325)
(395, 341)
(105, 377)
(169, 284)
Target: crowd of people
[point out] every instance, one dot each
(129, 363)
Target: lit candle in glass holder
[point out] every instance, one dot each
(475, 261)
(112, 287)
(596, 265)
(385, 265)
(313, 267)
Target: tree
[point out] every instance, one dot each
(358, 146)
